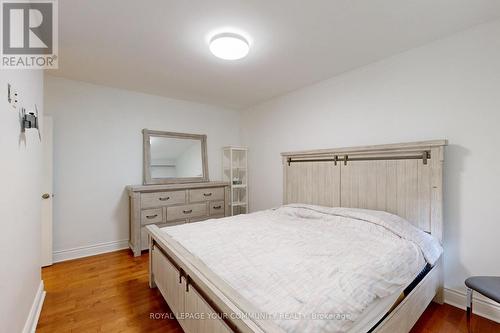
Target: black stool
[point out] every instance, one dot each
(488, 286)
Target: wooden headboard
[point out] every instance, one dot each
(404, 179)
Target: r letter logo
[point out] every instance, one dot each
(29, 34)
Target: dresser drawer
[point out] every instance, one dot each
(206, 194)
(149, 216)
(186, 211)
(216, 208)
(149, 200)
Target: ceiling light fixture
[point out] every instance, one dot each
(229, 46)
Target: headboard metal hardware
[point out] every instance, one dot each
(424, 156)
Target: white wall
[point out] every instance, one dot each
(449, 89)
(20, 201)
(98, 151)
(189, 163)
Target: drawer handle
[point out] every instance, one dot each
(207, 194)
(187, 211)
(164, 198)
(217, 207)
(151, 216)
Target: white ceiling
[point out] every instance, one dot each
(159, 46)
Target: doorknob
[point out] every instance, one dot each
(45, 196)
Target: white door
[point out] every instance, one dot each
(47, 191)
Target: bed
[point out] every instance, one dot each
(356, 247)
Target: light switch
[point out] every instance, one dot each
(12, 96)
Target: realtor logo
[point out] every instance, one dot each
(29, 34)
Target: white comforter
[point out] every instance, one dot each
(303, 262)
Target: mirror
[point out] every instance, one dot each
(174, 157)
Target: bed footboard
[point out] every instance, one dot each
(192, 311)
(406, 314)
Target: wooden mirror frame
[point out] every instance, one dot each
(147, 134)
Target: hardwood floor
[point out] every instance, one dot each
(104, 293)
(110, 293)
(449, 319)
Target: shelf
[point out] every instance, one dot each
(235, 148)
(235, 167)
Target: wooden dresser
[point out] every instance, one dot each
(172, 204)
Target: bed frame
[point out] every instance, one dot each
(404, 179)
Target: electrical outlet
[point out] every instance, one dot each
(12, 96)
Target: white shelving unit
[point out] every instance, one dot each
(235, 171)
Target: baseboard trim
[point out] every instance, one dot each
(480, 306)
(36, 308)
(89, 250)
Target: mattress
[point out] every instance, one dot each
(374, 312)
(311, 268)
